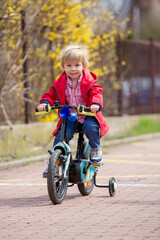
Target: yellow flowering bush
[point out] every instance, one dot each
(49, 26)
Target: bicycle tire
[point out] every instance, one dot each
(86, 188)
(57, 185)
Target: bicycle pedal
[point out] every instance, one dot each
(97, 164)
(50, 152)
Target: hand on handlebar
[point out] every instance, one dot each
(94, 108)
(42, 107)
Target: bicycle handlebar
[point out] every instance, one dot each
(81, 109)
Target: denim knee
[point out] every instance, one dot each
(91, 124)
(91, 130)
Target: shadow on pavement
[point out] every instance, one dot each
(41, 201)
(25, 201)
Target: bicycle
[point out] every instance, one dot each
(63, 169)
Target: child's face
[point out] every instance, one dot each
(73, 69)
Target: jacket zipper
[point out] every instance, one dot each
(56, 93)
(89, 89)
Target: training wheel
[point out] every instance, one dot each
(112, 186)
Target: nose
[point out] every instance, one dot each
(73, 67)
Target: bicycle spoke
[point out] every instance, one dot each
(57, 178)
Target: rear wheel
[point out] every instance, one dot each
(57, 184)
(86, 188)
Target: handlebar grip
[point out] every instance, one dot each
(47, 108)
(36, 109)
(87, 109)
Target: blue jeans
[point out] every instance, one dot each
(90, 128)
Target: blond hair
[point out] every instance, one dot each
(75, 53)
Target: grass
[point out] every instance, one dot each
(21, 155)
(145, 126)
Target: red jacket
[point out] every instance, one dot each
(91, 93)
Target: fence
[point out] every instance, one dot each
(140, 77)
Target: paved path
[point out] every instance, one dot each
(132, 214)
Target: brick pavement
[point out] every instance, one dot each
(133, 213)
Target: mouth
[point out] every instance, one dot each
(73, 73)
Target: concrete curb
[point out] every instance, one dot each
(131, 139)
(22, 162)
(108, 143)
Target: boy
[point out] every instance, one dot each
(76, 86)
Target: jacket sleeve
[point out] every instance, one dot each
(49, 97)
(95, 95)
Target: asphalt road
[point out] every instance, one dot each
(133, 213)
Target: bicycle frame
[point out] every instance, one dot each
(64, 146)
(79, 170)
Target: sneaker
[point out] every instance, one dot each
(45, 173)
(96, 157)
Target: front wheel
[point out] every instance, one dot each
(57, 184)
(86, 188)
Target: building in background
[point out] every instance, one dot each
(145, 19)
(141, 78)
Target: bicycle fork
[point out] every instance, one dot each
(65, 158)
